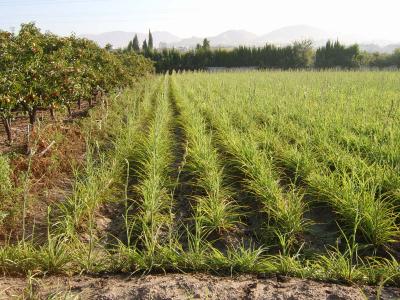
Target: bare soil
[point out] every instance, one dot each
(184, 286)
(20, 127)
(56, 147)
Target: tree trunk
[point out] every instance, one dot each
(53, 117)
(32, 116)
(7, 126)
(90, 101)
(79, 103)
(69, 111)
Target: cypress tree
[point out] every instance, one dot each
(135, 44)
(206, 44)
(144, 47)
(150, 45)
(129, 48)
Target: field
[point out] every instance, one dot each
(264, 173)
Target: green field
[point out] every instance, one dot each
(295, 173)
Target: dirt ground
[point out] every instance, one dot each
(183, 286)
(57, 147)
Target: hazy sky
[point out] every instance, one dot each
(371, 19)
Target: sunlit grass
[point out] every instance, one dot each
(290, 139)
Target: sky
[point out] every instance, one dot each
(186, 18)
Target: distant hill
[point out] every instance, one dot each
(231, 38)
(121, 38)
(290, 34)
(227, 38)
(390, 48)
(381, 49)
(188, 42)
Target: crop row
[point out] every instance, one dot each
(210, 144)
(364, 193)
(215, 205)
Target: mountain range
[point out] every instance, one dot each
(231, 38)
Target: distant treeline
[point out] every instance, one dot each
(299, 55)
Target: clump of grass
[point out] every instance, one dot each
(355, 200)
(91, 189)
(242, 259)
(52, 257)
(5, 177)
(7, 189)
(343, 266)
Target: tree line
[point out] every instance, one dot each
(299, 55)
(42, 71)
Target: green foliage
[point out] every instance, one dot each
(329, 140)
(42, 71)
(135, 44)
(7, 191)
(5, 177)
(337, 55)
(150, 45)
(216, 208)
(298, 55)
(287, 141)
(145, 47)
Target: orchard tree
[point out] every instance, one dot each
(44, 72)
(9, 75)
(31, 63)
